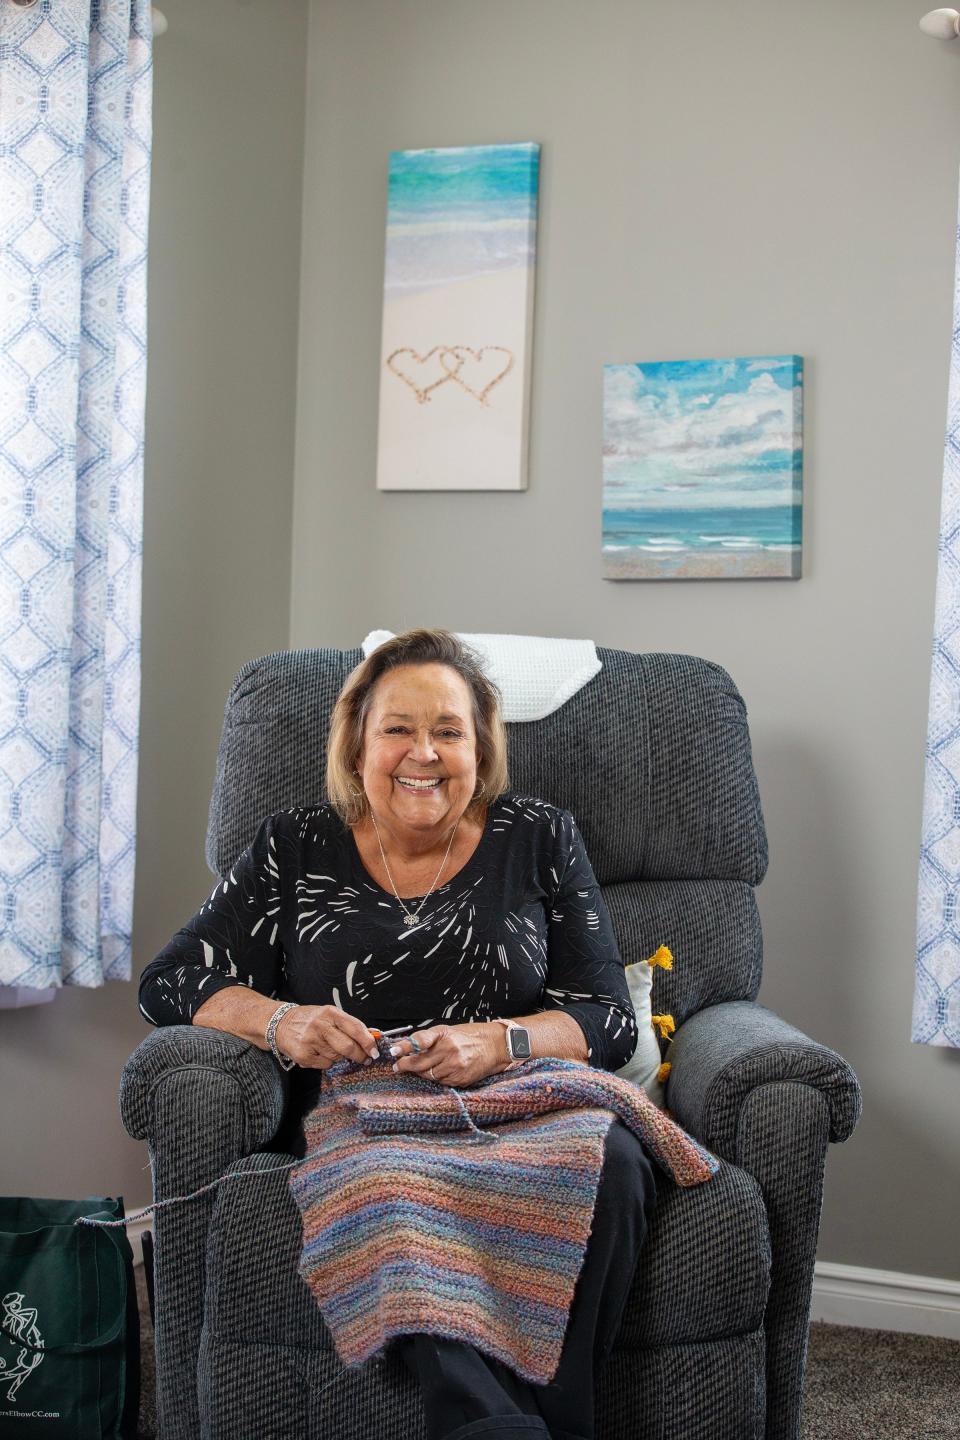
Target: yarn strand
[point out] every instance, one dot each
(479, 1137)
(136, 1215)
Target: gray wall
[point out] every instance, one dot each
(749, 180)
(744, 179)
(227, 165)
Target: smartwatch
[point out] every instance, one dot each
(518, 1041)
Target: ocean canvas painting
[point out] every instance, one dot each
(703, 469)
(457, 318)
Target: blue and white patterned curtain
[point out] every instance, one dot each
(936, 1004)
(75, 127)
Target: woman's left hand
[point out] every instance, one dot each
(453, 1054)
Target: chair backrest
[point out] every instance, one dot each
(652, 757)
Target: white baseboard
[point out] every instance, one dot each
(885, 1300)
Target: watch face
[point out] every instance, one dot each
(519, 1040)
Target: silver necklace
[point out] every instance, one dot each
(411, 917)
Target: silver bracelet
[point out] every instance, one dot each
(282, 1060)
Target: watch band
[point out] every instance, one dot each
(509, 1025)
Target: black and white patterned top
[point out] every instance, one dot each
(520, 929)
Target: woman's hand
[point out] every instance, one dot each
(317, 1036)
(453, 1054)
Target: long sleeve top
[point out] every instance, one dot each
(521, 928)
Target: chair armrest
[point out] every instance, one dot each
(249, 1083)
(201, 1099)
(724, 1052)
(762, 1095)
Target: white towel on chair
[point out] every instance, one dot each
(535, 674)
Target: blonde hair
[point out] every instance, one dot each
(413, 647)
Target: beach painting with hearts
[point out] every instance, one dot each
(458, 318)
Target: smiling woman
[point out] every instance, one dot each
(425, 685)
(426, 896)
(418, 761)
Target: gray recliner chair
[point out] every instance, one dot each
(653, 759)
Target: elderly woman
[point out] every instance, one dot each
(426, 897)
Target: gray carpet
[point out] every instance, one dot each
(877, 1385)
(861, 1384)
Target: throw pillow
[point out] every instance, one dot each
(645, 1067)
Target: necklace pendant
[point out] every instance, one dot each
(409, 919)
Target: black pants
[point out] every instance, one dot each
(465, 1394)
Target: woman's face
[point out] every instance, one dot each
(419, 729)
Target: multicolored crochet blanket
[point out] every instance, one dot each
(418, 1217)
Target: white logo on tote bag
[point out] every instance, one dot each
(21, 1324)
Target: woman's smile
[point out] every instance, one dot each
(425, 784)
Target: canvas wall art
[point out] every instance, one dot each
(457, 318)
(703, 469)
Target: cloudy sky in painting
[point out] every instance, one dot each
(695, 433)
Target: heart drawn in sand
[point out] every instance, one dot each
(473, 371)
(477, 372)
(415, 369)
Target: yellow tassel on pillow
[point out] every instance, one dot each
(664, 1071)
(663, 957)
(664, 1023)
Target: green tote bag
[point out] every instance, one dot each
(69, 1325)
